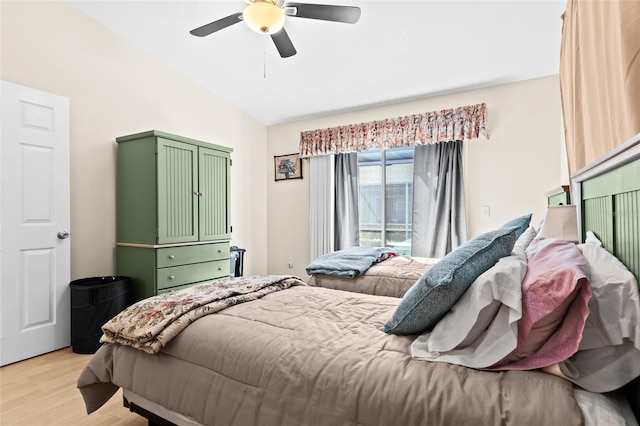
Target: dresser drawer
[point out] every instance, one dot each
(180, 287)
(178, 275)
(184, 255)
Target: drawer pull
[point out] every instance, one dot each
(172, 277)
(171, 257)
(219, 251)
(219, 268)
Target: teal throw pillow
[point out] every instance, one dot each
(435, 293)
(521, 222)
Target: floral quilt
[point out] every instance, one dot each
(150, 324)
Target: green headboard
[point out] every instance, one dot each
(611, 206)
(609, 194)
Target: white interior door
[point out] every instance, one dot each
(34, 223)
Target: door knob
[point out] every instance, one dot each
(62, 235)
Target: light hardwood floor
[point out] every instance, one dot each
(42, 391)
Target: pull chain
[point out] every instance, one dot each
(264, 60)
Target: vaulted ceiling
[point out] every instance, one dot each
(398, 51)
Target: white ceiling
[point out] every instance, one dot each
(398, 51)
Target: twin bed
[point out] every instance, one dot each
(315, 354)
(392, 277)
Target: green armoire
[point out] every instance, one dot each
(173, 216)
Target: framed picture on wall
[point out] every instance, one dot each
(288, 167)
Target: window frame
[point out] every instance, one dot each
(383, 162)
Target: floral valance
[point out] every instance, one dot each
(462, 123)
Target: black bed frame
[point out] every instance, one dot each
(154, 419)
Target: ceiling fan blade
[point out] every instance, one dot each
(325, 12)
(218, 25)
(283, 43)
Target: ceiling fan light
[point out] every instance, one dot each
(264, 17)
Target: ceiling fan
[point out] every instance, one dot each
(267, 17)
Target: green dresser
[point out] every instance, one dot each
(172, 211)
(560, 196)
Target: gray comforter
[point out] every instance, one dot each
(315, 356)
(349, 262)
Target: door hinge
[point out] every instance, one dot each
(231, 229)
(230, 162)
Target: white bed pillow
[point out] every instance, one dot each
(609, 353)
(592, 239)
(524, 241)
(481, 328)
(615, 305)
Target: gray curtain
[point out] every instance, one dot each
(439, 219)
(346, 219)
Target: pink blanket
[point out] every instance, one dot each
(555, 296)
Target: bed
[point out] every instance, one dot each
(391, 277)
(317, 356)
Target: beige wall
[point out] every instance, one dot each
(510, 172)
(115, 89)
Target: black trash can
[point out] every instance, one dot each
(95, 301)
(237, 261)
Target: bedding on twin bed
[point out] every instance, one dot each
(310, 355)
(151, 323)
(390, 277)
(378, 270)
(316, 356)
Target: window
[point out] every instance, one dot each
(385, 198)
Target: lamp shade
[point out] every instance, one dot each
(263, 17)
(561, 222)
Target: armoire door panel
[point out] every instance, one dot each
(214, 190)
(177, 192)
